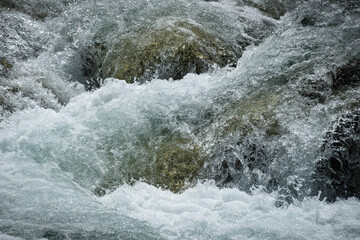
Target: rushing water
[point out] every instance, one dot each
(59, 142)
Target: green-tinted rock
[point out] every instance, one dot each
(166, 52)
(175, 164)
(5, 64)
(168, 163)
(5, 67)
(240, 156)
(254, 112)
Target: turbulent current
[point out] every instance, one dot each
(188, 119)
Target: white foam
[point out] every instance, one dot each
(207, 212)
(51, 160)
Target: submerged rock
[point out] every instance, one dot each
(21, 37)
(308, 21)
(242, 157)
(9, 100)
(54, 235)
(275, 9)
(167, 52)
(315, 89)
(37, 9)
(254, 113)
(337, 173)
(347, 75)
(175, 164)
(5, 67)
(333, 82)
(92, 58)
(245, 164)
(5, 64)
(170, 164)
(4, 94)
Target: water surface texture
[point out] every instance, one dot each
(266, 147)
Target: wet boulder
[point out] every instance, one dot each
(335, 81)
(176, 164)
(315, 89)
(347, 75)
(5, 67)
(244, 164)
(166, 52)
(92, 58)
(243, 156)
(274, 9)
(171, 163)
(37, 9)
(337, 172)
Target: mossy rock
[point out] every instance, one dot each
(240, 156)
(5, 67)
(169, 164)
(5, 64)
(256, 111)
(175, 164)
(166, 52)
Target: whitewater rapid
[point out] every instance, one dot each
(43, 163)
(58, 142)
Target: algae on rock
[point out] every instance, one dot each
(170, 51)
(5, 67)
(170, 163)
(242, 155)
(175, 164)
(254, 112)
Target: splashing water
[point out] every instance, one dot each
(259, 133)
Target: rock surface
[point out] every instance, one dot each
(335, 81)
(92, 58)
(171, 164)
(274, 9)
(245, 165)
(244, 159)
(347, 75)
(37, 9)
(5, 67)
(337, 173)
(167, 52)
